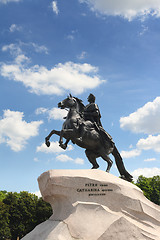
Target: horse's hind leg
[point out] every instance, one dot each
(108, 160)
(92, 158)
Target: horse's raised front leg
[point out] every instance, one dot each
(61, 138)
(47, 142)
(64, 146)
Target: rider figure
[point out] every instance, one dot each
(92, 113)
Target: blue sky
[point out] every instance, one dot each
(49, 49)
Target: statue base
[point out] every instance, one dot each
(95, 205)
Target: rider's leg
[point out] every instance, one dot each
(92, 158)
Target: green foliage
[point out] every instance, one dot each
(2, 195)
(43, 211)
(22, 212)
(25, 211)
(150, 188)
(4, 222)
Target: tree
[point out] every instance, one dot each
(19, 214)
(2, 195)
(155, 194)
(43, 211)
(150, 187)
(25, 212)
(4, 222)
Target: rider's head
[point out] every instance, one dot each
(91, 98)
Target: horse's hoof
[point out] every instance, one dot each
(95, 167)
(48, 143)
(63, 146)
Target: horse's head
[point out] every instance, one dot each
(69, 102)
(72, 103)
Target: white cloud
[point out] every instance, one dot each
(15, 27)
(65, 158)
(82, 55)
(15, 132)
(55, 7)
(53, 113)
(150, 160)
(67, 77)
(70, 37)
(36, 159)
(151, 142)
(146, 172)
(41, 110)
(38, 48)
(16, 49)
(128, 9)
(20, 59)
(144, 30)
(13, 48)
(145, 120)
(7, 1)
(54, 148)
(57, 114)
(131, 153)
(79, 161)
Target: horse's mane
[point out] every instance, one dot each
(80, 103)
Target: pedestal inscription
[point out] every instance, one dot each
(95, 189)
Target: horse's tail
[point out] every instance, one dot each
(120, 165)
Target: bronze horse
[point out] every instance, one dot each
(86, 135)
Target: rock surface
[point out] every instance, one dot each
(95, 205)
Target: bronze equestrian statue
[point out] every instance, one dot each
(83, 127)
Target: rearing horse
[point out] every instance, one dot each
(86, 135)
